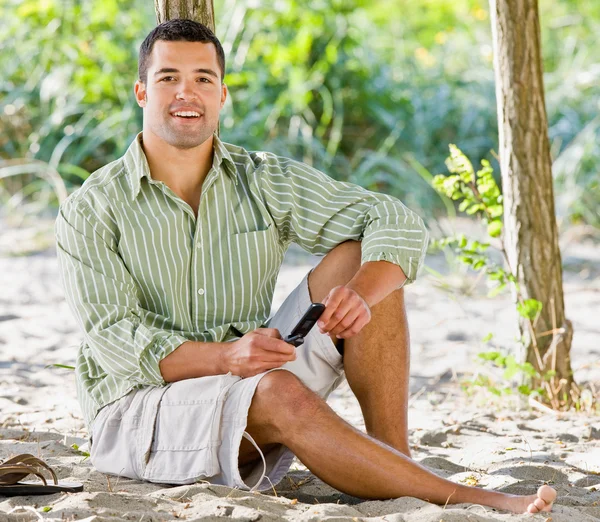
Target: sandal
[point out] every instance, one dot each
(14, 470)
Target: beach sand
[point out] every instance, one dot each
(467, 439)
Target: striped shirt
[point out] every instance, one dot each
(143, 275)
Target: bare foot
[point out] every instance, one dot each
(542, 501)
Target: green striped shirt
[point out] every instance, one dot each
(143, 275)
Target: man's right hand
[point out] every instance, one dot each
(258, 351)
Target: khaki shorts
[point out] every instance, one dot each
(191, 430)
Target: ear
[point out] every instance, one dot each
(140, 93)
(224, 92)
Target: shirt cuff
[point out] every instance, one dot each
(162, 345)
(402, 245)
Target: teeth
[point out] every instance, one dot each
(187, 114)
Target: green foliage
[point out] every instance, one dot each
(478, 194)
(75, 448)
(529, 308)
(65, 91)
(344, 86)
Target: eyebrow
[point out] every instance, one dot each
(171, 70)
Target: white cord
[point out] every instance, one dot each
(247, 436)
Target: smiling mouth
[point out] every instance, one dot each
(186, 115)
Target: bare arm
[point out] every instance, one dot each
(254, 353)
(376, 280)
(348, 307)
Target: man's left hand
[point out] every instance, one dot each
(346, 313)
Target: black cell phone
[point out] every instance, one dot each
(305, 324)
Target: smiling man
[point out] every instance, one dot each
(169, 258)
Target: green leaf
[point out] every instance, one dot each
(512, 368)
(529, 369)
(525, 390)
(495, 228)
(76, 448)
(46, 509)
(487, 338)
(530, 308)
(60, 366)
(490, 356)
(474, 208)
(479, 264)
(496, 290)
(495, 210)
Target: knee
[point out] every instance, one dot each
(337, 268)
(284, 400)
(349, 253)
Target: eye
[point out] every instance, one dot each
(203, 79)
(167, 79)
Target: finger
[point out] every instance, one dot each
(347, 321)
(276, 362)
(331, 302)
(269, 332)
(271, 344)
(355, 328)
(269, 364)
(346, 306)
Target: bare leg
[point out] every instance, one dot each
(377, 360)
(284, 411)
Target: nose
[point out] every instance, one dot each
(186, 90)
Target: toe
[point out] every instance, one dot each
(547, 494)
(539, 503)
(532, 509)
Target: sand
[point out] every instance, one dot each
(504, 445)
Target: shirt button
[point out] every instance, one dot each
(198, 245)
(201, 291)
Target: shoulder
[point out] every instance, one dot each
(257, 164)
(93, 204)
(107, 184)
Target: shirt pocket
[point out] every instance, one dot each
(255, 259)
(187, 431)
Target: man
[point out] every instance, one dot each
(169, 257)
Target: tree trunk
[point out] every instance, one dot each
(202, 11)
(531, 235)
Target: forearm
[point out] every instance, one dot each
(375, 280)
(194, 359)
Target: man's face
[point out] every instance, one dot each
(183, 94)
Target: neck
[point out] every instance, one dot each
(182, 170)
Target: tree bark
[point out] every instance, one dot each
(202, 11)
(531, 235)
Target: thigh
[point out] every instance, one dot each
(165, 434)
(187, 433)
(122, 433)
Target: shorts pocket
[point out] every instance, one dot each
(118, 437)
(187, 431)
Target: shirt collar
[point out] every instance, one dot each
(138, 168)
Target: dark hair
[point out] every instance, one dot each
(177, 30)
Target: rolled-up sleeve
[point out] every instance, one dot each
(319, 213)
(103, 298)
